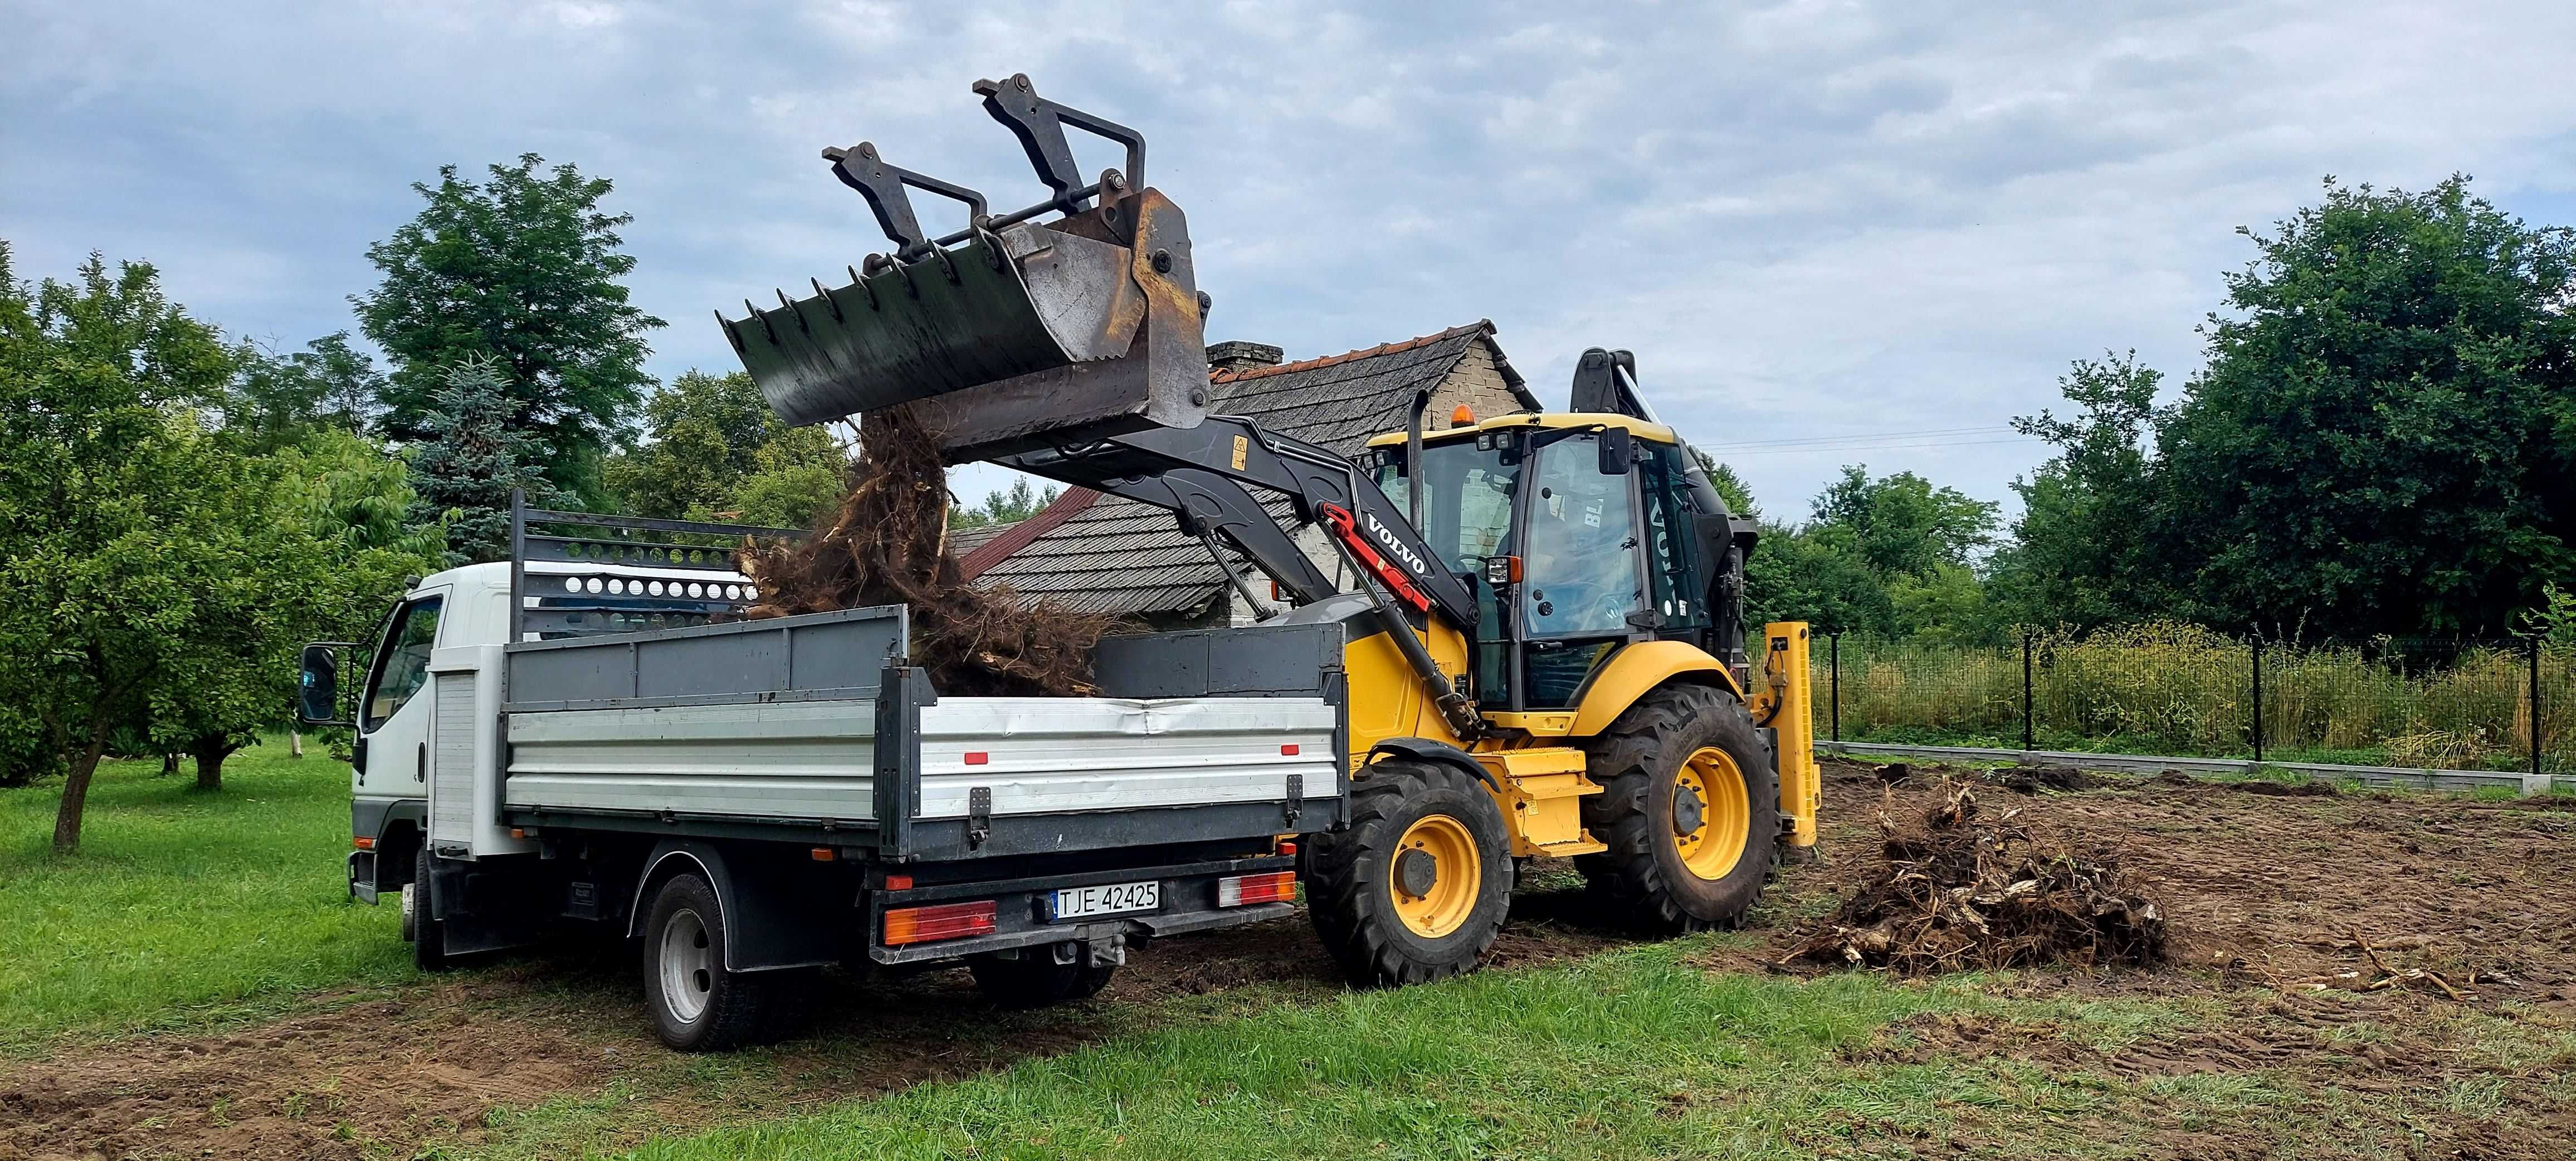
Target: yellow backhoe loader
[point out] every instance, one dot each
(1544, 655)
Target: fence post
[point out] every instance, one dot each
(2258, 699)
(2027, 729)
(2536, 776)
(1834, 650)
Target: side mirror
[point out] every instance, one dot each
(1617, 449)
(317, 694)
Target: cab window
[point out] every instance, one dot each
(1580, 549)
(402, 665)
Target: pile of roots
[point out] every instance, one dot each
(1959, 893)
(886, 545)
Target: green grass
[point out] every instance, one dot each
(1631, 1053)
(183, 907)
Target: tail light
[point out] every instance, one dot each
(946, 921)
(1244, 890)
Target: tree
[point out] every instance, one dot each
(463, 472)
(523, 270)
(282, 398)
(110, 533)
(317, 549)
(2080, 553)
(2384, 437)
(1891, 555)
(714, 450)
(1000, 507)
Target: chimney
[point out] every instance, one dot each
(1237, 357)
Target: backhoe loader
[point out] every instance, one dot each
(1542, 651)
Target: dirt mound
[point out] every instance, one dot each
(886, 545)
(2034, 779)
(1956, 892)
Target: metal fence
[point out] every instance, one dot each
(2414, 702)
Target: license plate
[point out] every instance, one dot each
(1106, 899)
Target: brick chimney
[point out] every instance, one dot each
(1238, 357)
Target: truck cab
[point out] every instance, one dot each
(597, 737)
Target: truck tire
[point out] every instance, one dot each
(698, 1004)
(1690, 810)
(1418, 886)
(427, 935)
(1035, 980)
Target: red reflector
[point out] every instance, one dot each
(1240, 890)
(363, 843)
(1284, 848)
(824, 854)
(1290, 749)
(898, 882)
(977, 757)
(946, 921)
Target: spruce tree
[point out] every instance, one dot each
(464, 471)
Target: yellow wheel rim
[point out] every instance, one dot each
(1710, 814)
(1434, 876)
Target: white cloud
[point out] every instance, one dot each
(1808, 219)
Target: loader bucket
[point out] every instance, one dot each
(1010, 334)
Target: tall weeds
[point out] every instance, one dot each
(2183, 689)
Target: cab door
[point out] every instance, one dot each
(393, 720)
(1584, 588)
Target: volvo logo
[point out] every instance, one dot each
(1395, 547)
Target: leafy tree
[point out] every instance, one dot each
(1891, 555)
(327, 385)
(1901, 524)
(463, 472)
(2384, 438)
(523, 270)
(319, 549)
(790, 486)
(1000, 507)
(713, 450)
(2080, 553)
(112, 525)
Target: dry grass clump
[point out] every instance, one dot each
(886, 544)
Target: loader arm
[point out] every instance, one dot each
(1202, 473)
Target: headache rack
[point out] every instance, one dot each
(588, 573)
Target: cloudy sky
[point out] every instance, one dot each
(1833, 232)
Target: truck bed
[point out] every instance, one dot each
(799, 722)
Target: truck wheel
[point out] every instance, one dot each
(1035, 980)
(428, 936)
(698, 1004)
(1418, 886)
(1690, 808)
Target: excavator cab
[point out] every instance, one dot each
(1544, 652)
(1583, 534)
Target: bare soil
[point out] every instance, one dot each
(2270, 901)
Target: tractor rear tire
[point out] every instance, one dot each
(1690, 810)
(1418, 886)
(1035, 980)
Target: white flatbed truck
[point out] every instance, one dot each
(591, 736)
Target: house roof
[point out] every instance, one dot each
(1112, 555)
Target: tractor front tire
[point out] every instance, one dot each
(1418, 886)
(1690, 810)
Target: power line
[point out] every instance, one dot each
(1943, 431)
(1769, 451)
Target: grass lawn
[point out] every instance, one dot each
(1633, 1053)
(182, 906)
